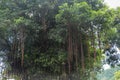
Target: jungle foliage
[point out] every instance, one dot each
(55, 36)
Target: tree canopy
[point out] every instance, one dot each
(55, 36)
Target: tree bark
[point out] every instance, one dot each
(82, 53)
(22, 44)
(70, 49)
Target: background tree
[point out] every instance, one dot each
(55, 36)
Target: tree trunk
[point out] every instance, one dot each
(82, 54)
(44, 24)
(93, 44)
(99, 41)
(94, 50)
(70, 50)
(89, 58)
(76, 56)
(22, 40)
(76, 47)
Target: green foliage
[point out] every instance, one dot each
(46, 32)
(117, 75)
(73, 13)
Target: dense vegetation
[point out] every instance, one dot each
(56, 36)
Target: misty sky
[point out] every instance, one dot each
(113, 3)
